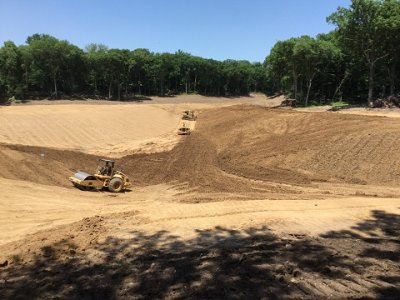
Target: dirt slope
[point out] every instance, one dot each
(243, 148)
(44, 166)
(289, 146)
(213, 228)
(97, 129)
(237, 147)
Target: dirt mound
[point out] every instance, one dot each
(290, 146)
(236, 147)
(44, 166)
(243, 148)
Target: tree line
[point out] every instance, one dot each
(358, 60)
(49, 67)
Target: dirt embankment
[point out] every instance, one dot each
(44, 166)
(161, 248)
(288, 146)
(242, 148)
(96, 129)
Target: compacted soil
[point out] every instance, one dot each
(258, 202)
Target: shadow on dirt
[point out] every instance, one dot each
(380, 238)
(76, 97)
(135, 99)
(347, 107)
(221, 263)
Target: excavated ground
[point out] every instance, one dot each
(257, 202)
(242, 148)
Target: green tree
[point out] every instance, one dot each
(10, 70)
(298, 62)
(313, 55)
(50, 59)
(141, 60)
(282, 67)
(361, 29)
(390, 21)
(46, 65)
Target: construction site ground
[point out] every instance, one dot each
(258, 202)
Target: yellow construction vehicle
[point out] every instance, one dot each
(105, 177)
(189, 115)
(184, 130)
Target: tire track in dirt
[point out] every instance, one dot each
(236, 153)
(243, 149)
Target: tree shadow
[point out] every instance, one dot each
(135, 98)
(348, 107)
(220, 263)
(380, 240)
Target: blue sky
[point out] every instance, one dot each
(219, 29)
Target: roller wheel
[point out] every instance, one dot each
(81, 187)
(116, 185)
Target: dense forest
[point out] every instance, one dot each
(358, 60)
(48, 67)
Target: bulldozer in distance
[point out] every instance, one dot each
(105, 177)
(184, 129)
(189, 115)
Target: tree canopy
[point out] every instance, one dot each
(358, 60)
(49, 67)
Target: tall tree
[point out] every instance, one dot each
(283, 68)
(10, 70)
(140, 72)
(390, 22)
(360, 28)
(48, 66)
(50, 59)
(95, 57)
(312, 55)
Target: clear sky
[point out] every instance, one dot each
(219, 29)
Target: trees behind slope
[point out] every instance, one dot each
(358, 60)
(295, 65)
(49, 67)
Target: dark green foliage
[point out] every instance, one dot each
(52, 65)
(359, 60)
(10, 71)
(305, 67)
(48, 67)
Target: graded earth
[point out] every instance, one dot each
(259, 201)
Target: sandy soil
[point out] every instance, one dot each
(363, 111)
(103, 127)
(256, 202)
(41, 207)
(96, 129)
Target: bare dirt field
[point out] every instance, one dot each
(96, 129)
(258, 202)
